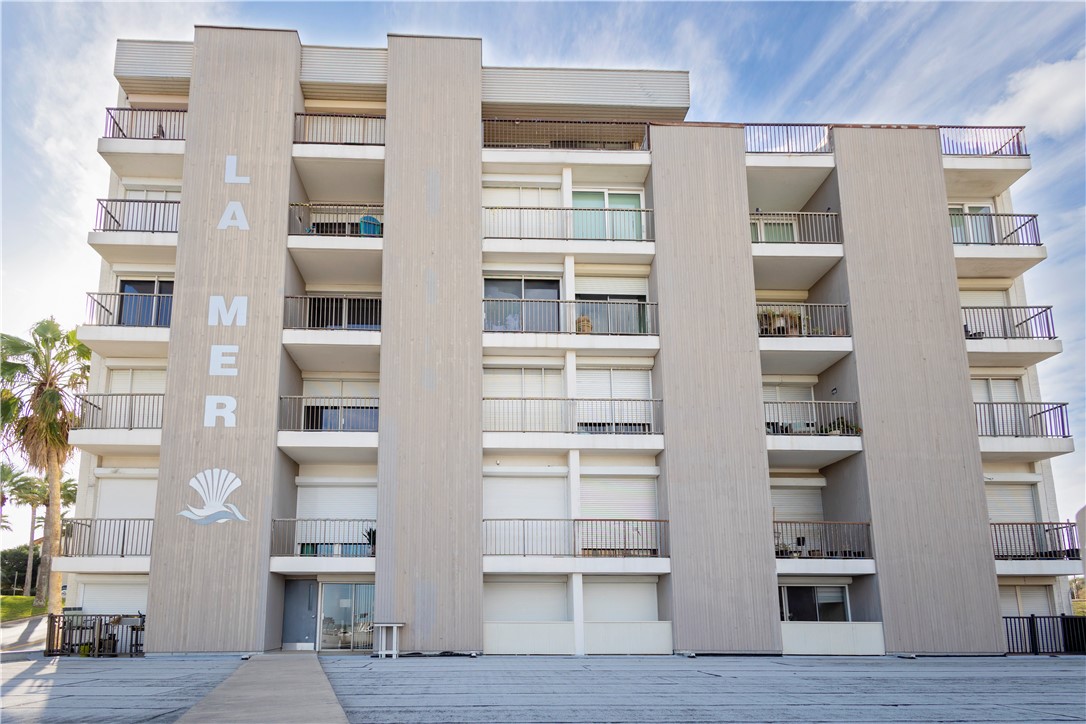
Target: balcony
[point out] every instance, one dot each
(1009, 336)
(802, 339)
(1039, 549)
(597, 236)
(127, 325)
(822, 548)
(599, 151)
(329, 429)
(338, 333)
(575, 546)
(512, 326)
(118, 424)
(811, 434)
(793, 250)
(105, 545)
(144, 142)
(340, 157)
(1023, 431)
(563, 424)
(337, 243)
(323, 545)
(135, 232)
(982, 161)
(995, 245)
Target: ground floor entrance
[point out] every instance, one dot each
(327, 616)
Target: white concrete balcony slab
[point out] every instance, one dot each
(135, 247)
(589, 165)
(810, 451)
(1063, 567)
(143, 158)
(801, 355)
(564, 442)
(554, 344)
(982, 176)
(990, 352)
(1023, 431)
(117, 442)
(125, 341)
(334, 350)
(346, 260)
(789, 265)
(325, 446)
(103, 564)
(569, 564)
(832, 638)
(781, 180)
(553, 251)
(1024, 449)
(1002, 261)
(825, 566)
(340, 173)
(302, 565)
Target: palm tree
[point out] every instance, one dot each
(33, 492)
(10, 478)
(43, 374)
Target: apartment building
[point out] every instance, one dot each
(395, 351)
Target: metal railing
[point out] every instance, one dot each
(580, 538)
(517, 222)
(566, 135)
(339, 128)
(129, 310)
(803, 320)
(570, 317)
(324, 538)
(95, 635)
(1045, 634)
(136, 215)
(119, 411)
(812, 418)
(337, 219)
(1022, 419)
(794, 227)
(145, 123)
(328, 414)
(119, 537)
(821, 539)
(1008, 323)
(590, 416)
(995, 229)
(1035, 541)
(983, 141)
(788, 138)
(332, 312)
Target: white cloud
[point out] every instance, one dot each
(1048, 98)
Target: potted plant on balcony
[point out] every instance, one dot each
(765, 323)
(793, 323)
(584, 324)
(840, 426)
(371, 540)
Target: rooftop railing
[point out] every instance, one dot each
(324, 537)
(812, 418)
(119, 411)
(1022, 419)
(115, 537)
(129, 310)
(570, 317)
(147, 124)
(328, 414)
(337, 219)
(794, 228)
(821, 539)
(579, 538)
(560, 223)
(332, 312)
(1008, 323)
(803, 320)
(1045, 634)
(77, 634)
(995, 229)
(983, 141)
(565, 135)
(1035, 541)
(135, 215)
(339, 129)
(788, 138)
(587, 416)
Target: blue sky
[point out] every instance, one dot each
(945, 63)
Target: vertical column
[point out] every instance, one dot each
(220, 471)
(576, 611)
(715, 472)
(429, 465)
(575, 483)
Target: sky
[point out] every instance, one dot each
(872, 62)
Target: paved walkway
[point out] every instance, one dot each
(26, 633)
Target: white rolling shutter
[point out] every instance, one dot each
(527, 601)
(360, 388)
(613, 285)
(1008, 601)
(620, 601)
(502, 383)
(512, 498)
(1011, 503)
(631, 384)
(594, 384)
(337, 502)
(994, 390)
(125, 498)
(614, 498)
(118, 598)
(542, 382)
(787, 393)
(124, 381)
(797, 503)
(502, 197)
(1035, 600)
(322, 388)
(983, 298)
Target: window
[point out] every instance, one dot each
(343, 313)
(814, 603)
(773, 230)
(145, 302)
(350, 405)
(607, 215)
(617, 401)
(790, 410)
(612, 305)
(521, 305)
(524, 400)
(999, 419)
(148, 216)
(972, 224)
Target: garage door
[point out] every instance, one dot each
(119, 598)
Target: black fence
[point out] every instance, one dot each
(1045, 634)
(95, 635)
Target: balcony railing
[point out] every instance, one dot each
(324, 538)
(1035, 541)
(821, 539)
(794, 228)
(598, 417)
(569, 317)
(983, 141)
(134, 215)
(119, 537)
(509, 222)
(811, 418)
(565, 135)
(339, 128)
(1045, 634)
(129, 310)
(995, 229)
(337, 219)
(1008, 323)
(141, 123)
(580, 538)
(119, 411)
(76, 634)
(1022, 419)
(332, 312)
(789, 138)
(803, 320)
(328, 414)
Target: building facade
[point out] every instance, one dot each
(515, 360)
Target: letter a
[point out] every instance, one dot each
(234, 216)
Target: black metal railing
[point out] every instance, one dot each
(129, 310)
(580, 538)
(803, 320)
(812, 418)
(119, 411)
(120, 537)
(136, 215)
(983, 141)
(788, 138)
(1022, 419)
(332, 312)
(95, 635)
(570, 317)
(1035, 541)
(338, 219)
(1045, 634)
(994, 229)
(324, 538)
(565, 135)
(597, 417)
(509, 222)
(145, 123)
(821, 539)
(1008, 323)
(788, 227)
(328, 414)
(339, 128)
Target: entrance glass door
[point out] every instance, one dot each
(347, 616)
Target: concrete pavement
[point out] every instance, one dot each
(26, 633)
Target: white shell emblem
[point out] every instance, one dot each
(214, 486)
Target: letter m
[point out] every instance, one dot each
(236, 314)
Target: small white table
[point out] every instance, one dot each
(380, 635)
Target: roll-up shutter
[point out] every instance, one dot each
(123, 381)
(1011, 503)
(360, 388)
(357, 502)
(797, 503)
(983, 298)
(994, 390)
(322, 388)
(1008, 601)
(125, 498)
(525, 601)
(525, 498)
(627, 286)
(619, 600)
(502, 383)
(503, 197)
(1036, 600)
(117, 598)
(614, 498)
(631, 384)
(542, 383)
(787, 393)
(594, 384)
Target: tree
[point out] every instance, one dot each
(10, 477)
(12, 565)
(33, 492)
(43, 374)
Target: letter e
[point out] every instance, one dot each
(223, 359)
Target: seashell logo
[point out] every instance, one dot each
(214, 486)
